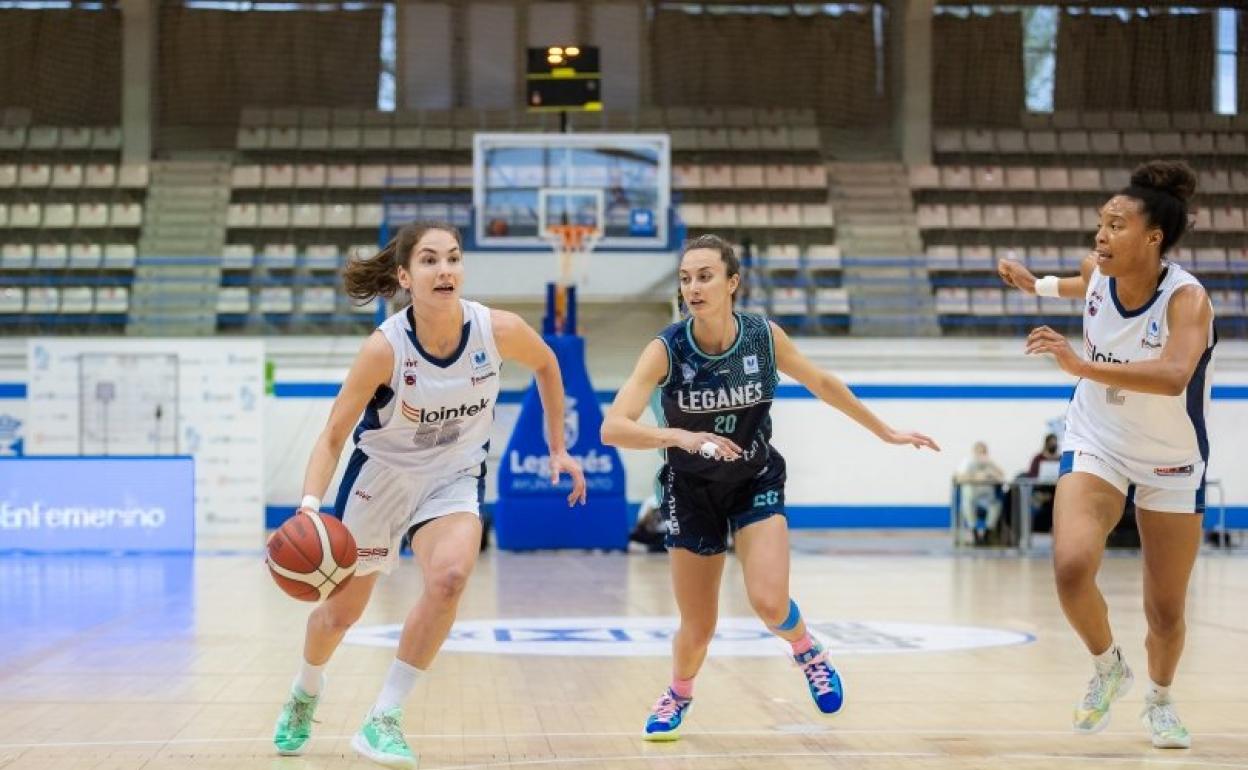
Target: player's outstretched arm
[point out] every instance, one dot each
(620, 427)
(829, 388)
(372, 367)
(517, 342)
(1188, 317)
(1015, 274)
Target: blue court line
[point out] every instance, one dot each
(851, 516)
(787, 392)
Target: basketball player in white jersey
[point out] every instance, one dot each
(426, 383)
(1135, 428)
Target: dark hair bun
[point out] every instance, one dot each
(1169, 176)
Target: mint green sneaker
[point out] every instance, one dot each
(294, 724)
(381, 739)
(1092, 713)
(1163, 725)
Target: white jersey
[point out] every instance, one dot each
(436, 415)
(1163, 436)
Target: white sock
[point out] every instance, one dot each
(1157, 693)
(400, 680)
(1108, 659)
(310, 678)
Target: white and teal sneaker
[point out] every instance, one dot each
(294, 724)
(1163, 724)
(381, 739)
(1105, 687)
(665, 718)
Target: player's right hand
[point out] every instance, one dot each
(1013, 273)
(692, 442)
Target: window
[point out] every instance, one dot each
(1039, 56)
(1225, 70)
(386, 85)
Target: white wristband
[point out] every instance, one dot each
(311, 502)
(1048, 286)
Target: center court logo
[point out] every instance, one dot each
(734, 637)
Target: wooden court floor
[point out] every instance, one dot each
(950, 661)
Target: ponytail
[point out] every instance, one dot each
(377, 276)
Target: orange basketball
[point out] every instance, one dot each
(311, 556)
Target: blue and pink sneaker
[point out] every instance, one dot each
(825, 684)
(666, 716)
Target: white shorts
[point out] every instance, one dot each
(379, 505)
(1184, 490)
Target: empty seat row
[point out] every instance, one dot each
(470, 117)
(60, 138)
(444, 138)
(305, 215)
(701, 215)
(67, 299)
(796, 301)
(956, 300)
(350, 176)
(71, 176)
(1132, 120)
(70, 215)
(78, 256)
(719, 139)
(1057, 179)
(980, 257)
(282, 299)
(244, 256)
(1004, 216)
(689, 176)
(1080, 142)
(790, 256)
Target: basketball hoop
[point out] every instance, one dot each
(571, 242)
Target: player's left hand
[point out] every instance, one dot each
(913, 438)
(562, 462)
(1045, 340)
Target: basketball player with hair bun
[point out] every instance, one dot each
(1135, 428)
(426, 382)
(716, 374)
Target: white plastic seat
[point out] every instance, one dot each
(274, 215)
(233, 299)
(279, 256)
(317, 299)
(77, 299)
(67, 176)
(279, 175)
(306, 215)
(34, 175)
(99, 176)
(126, 214)
(238, 256)
(120, 256)
(277, 299)
(112, 299)
(242, 215)
(92, 215)
(85, 256)
(43, 299)
(51, 256)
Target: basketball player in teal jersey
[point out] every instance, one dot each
(715, 375)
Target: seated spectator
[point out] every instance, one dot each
(1044, 469)
(979, 485)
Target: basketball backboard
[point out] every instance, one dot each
(522, 182)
